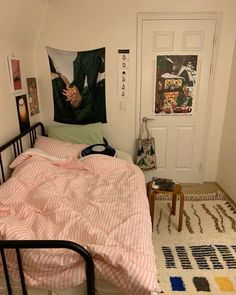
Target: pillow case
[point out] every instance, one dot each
(83, 134)
(58, 148)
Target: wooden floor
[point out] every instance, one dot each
(206, 187)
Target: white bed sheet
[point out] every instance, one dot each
(124, 156)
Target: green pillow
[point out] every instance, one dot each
(87, 134)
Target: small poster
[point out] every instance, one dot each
(23, 113)
(15, 74)
(175, 84)
(123, 73)
(33, 96)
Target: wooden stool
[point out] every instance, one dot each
(152, 192)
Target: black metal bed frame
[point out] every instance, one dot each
(16, 142)
(17, 145)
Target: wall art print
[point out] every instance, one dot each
(15, 74)
(33, 96)
(175, 84)
(78, 85)
(23, 113)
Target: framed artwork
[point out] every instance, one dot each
(15, 74)
(175, 84)
(33, 96)
(23, 113)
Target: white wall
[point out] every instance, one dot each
(19, 23)
(226, 176)
(83, 25)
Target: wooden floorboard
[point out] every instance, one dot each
(206, 187)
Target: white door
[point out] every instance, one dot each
(179, 113)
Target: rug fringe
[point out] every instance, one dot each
(195, 197)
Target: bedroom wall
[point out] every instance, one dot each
(27, 26)
(19, 23)
(227, 158)
(83, 25)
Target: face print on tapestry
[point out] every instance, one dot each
(78, 85)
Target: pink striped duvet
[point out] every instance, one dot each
(99, 202)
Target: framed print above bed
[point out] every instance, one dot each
(33, 96)
(23, 112)
(14, 74)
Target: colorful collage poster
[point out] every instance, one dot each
(175, 84)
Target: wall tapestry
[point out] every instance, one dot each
(33, 96)
(78, 83)
(23, 113)
(175, 84)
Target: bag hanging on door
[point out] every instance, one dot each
(146, 154)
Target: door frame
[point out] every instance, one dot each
(144, 16)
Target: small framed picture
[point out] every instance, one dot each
(33, 96)
(15, 74)
(23, 113)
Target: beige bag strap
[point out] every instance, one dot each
(144, 124)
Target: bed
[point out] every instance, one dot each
(72, 224)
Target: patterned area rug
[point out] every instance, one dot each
(201, 259)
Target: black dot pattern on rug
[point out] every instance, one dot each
(183, 257)
(215, 219)
(201, 253)
(202, 262)
(227, 256)
(232, 208)
(169, 258)
(227, 216)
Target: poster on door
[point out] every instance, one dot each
(175, 84)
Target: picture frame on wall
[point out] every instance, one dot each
(33, 96)
(15, 74)
(23, 112)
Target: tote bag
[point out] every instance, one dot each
(146, 154)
